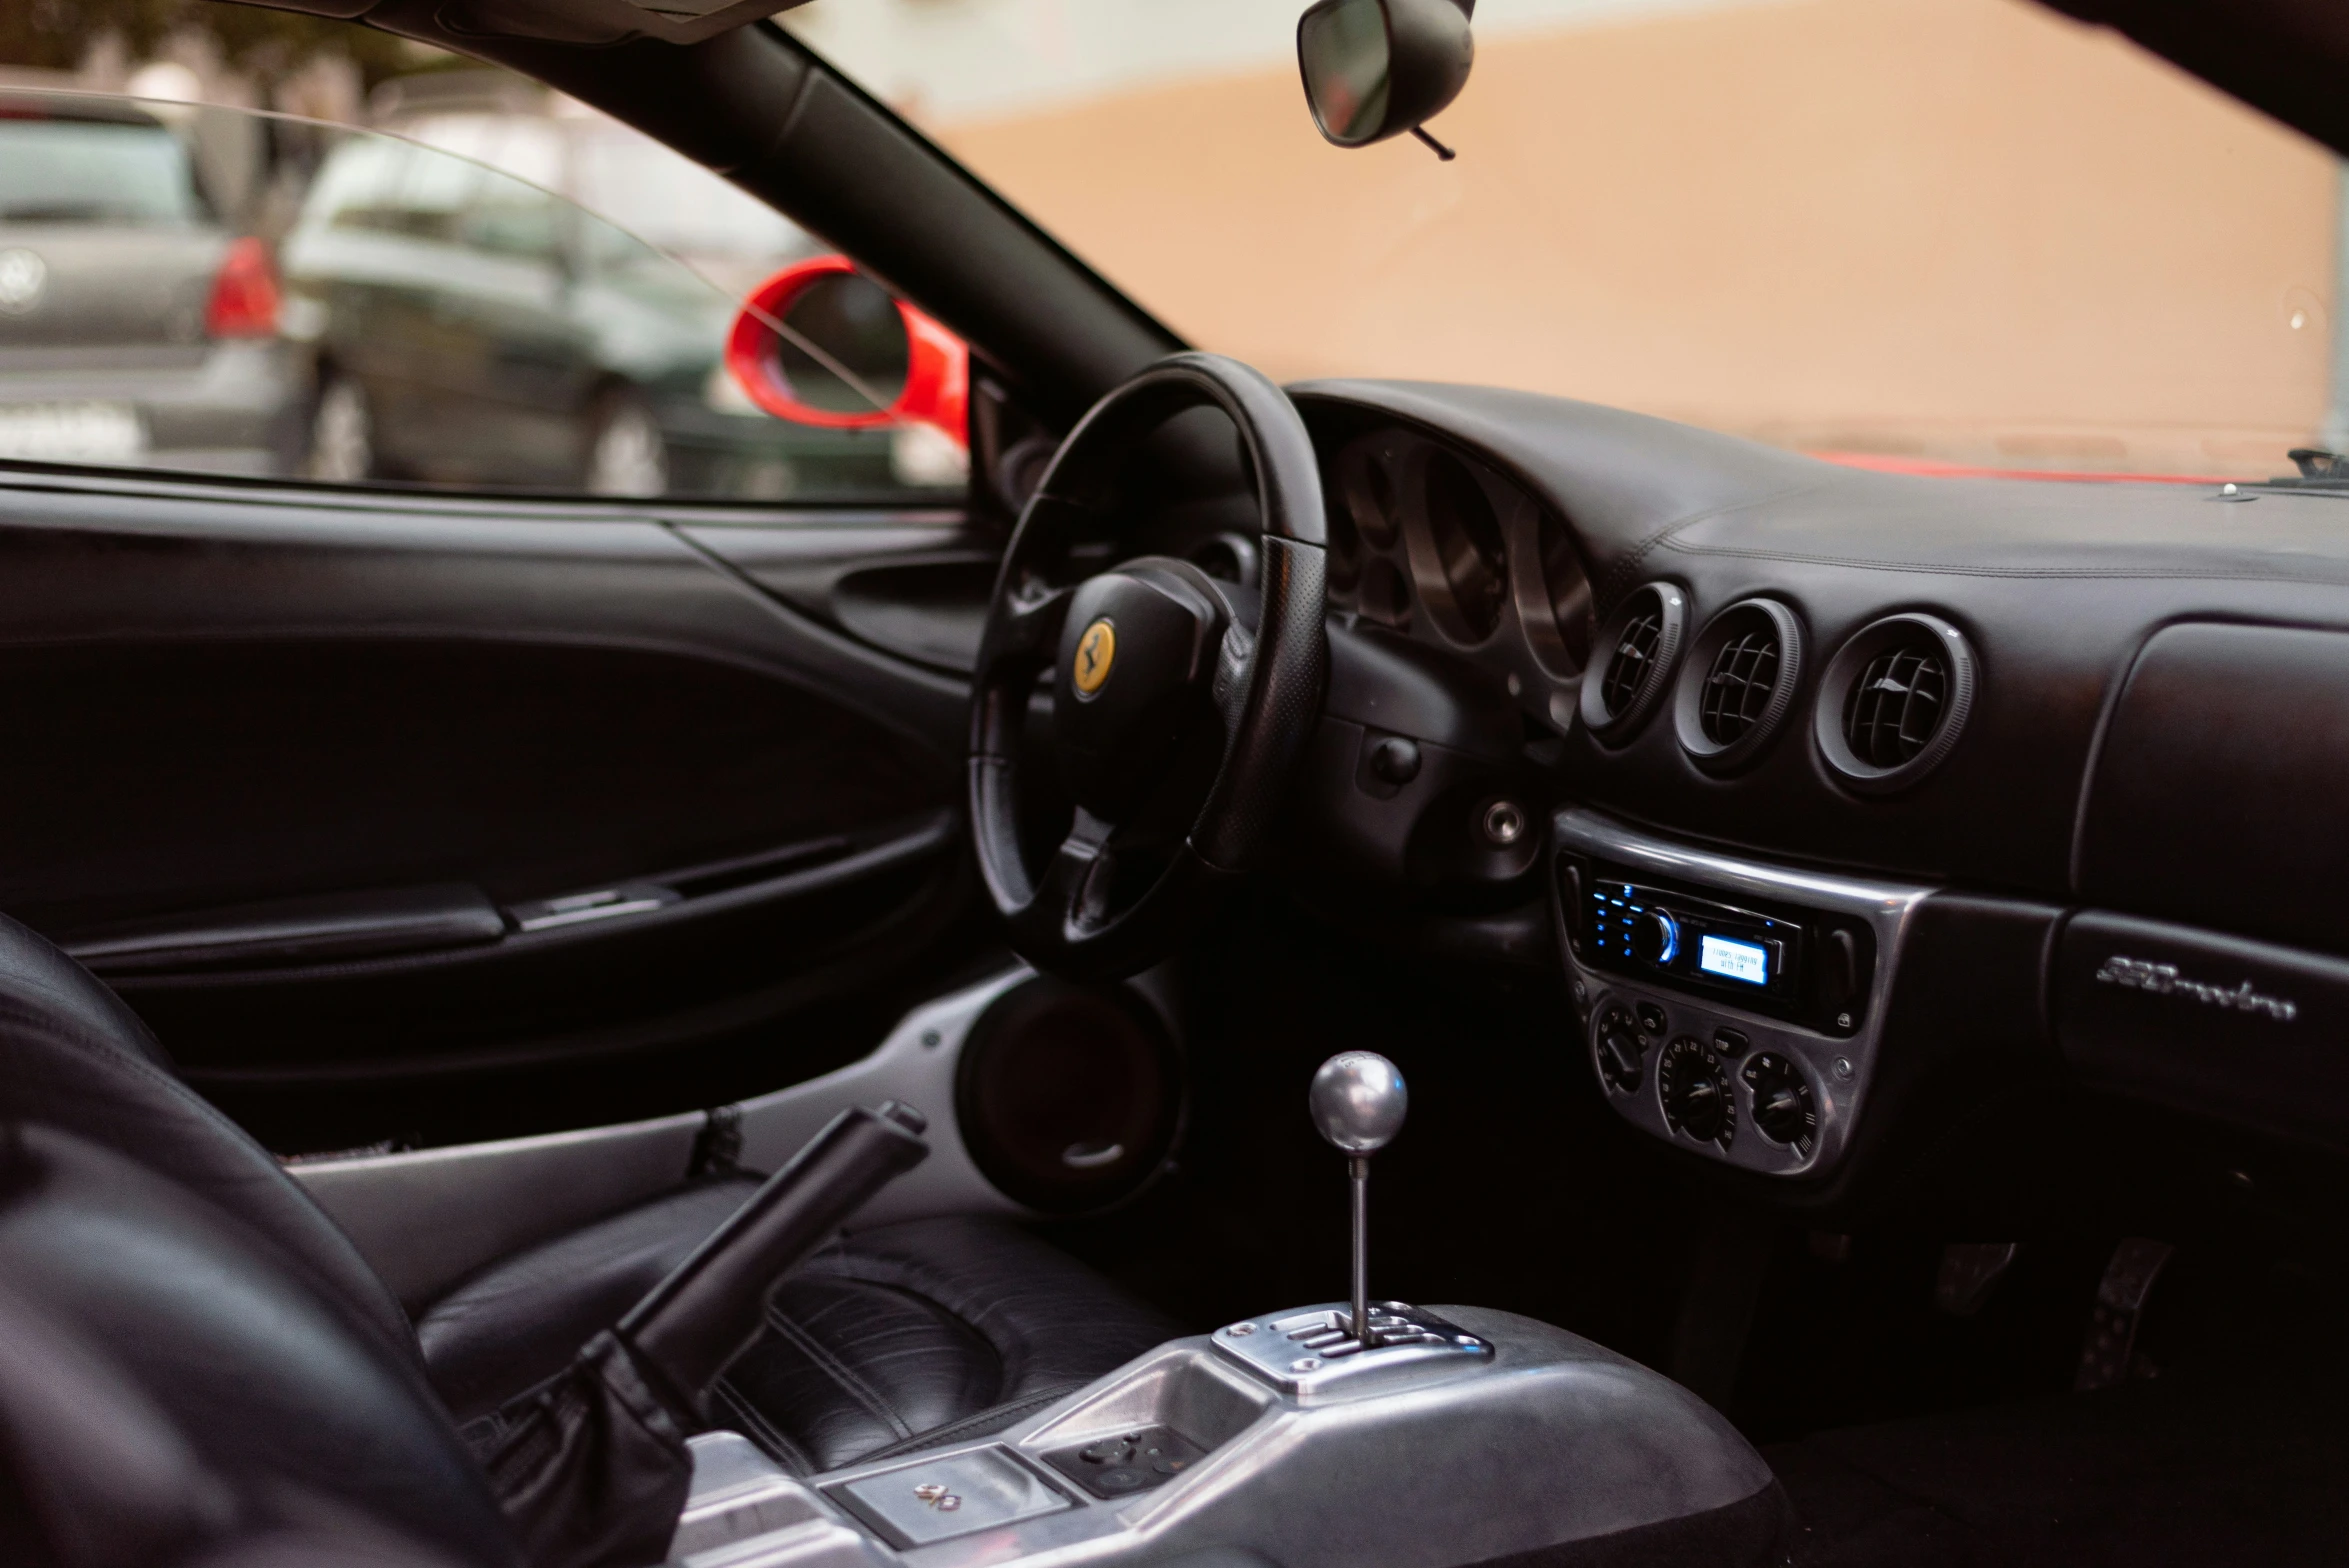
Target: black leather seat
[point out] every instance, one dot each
(891, 1336)
(173, 1380)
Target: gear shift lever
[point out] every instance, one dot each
(1358, 1103)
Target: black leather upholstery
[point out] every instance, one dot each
(518, 1322)
(265, 1378)
(72, 1056)
(885, 1337)
(897, 1333)
(909, 1332)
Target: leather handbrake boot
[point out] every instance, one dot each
(594, 1471)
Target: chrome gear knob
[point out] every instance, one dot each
(1358, 1101)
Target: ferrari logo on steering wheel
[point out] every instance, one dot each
(1096, 652)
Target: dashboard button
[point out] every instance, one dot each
(1395, 760)
(1730, 1042)
(1651, 1018)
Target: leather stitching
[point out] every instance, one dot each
(1623, 576)
(839, 1371)
(945, 1290)
(765, 1433)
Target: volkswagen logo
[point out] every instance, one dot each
(23, 277)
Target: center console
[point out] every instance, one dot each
(1731, 1007)
(1355, 1434)
(1399, 1460)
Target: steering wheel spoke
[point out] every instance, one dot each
(1077, 884)
(1032, 619)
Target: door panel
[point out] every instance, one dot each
(419, 818)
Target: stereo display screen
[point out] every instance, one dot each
(1745, 961)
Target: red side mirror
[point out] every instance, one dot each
(822, 344)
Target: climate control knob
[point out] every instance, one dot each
(1655, 937)
(1783, 1107)
(1619, 1048)
(1694, 1087)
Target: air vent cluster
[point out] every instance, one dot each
(1632, 660)
(1740, 683)
(1893, 702)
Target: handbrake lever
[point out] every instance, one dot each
(593, 1471)
(691, 1326)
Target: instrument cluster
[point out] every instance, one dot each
(1448, 551)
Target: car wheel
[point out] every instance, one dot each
(625, 452)
(342, 434)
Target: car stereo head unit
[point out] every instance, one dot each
(1695, 940)
(1790, 963)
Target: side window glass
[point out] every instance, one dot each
(520, 296)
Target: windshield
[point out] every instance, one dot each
(1941, 232)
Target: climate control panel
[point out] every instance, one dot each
(1725, 1004)
(1735, 1089)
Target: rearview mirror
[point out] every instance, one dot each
(821, 344)
(1377, 68)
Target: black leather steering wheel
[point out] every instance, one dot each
(1180, 705)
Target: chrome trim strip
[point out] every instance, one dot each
(1838, 1070)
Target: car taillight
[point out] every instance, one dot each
(244, 294)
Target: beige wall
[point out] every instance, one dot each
(1965, 229)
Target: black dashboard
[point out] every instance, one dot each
(2098, 729)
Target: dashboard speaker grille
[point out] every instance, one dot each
(1897, 705)
(1069, 1097)
(1635, 658)
(1739, 686)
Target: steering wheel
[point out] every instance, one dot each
(1180, 704)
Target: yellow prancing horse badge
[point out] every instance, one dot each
(1096, 652)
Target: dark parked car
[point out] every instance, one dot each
(135, 325)
(475, 328)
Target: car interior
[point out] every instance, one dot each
(1344, 974)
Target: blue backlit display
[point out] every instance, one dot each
(1748, 962)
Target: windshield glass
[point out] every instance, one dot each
(1962, 232)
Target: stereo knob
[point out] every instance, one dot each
(1655, 937)
(1694, 1087)
(1783, 1107)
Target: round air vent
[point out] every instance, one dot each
(1893, 702)
(1632, 658)
(1739, 683)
